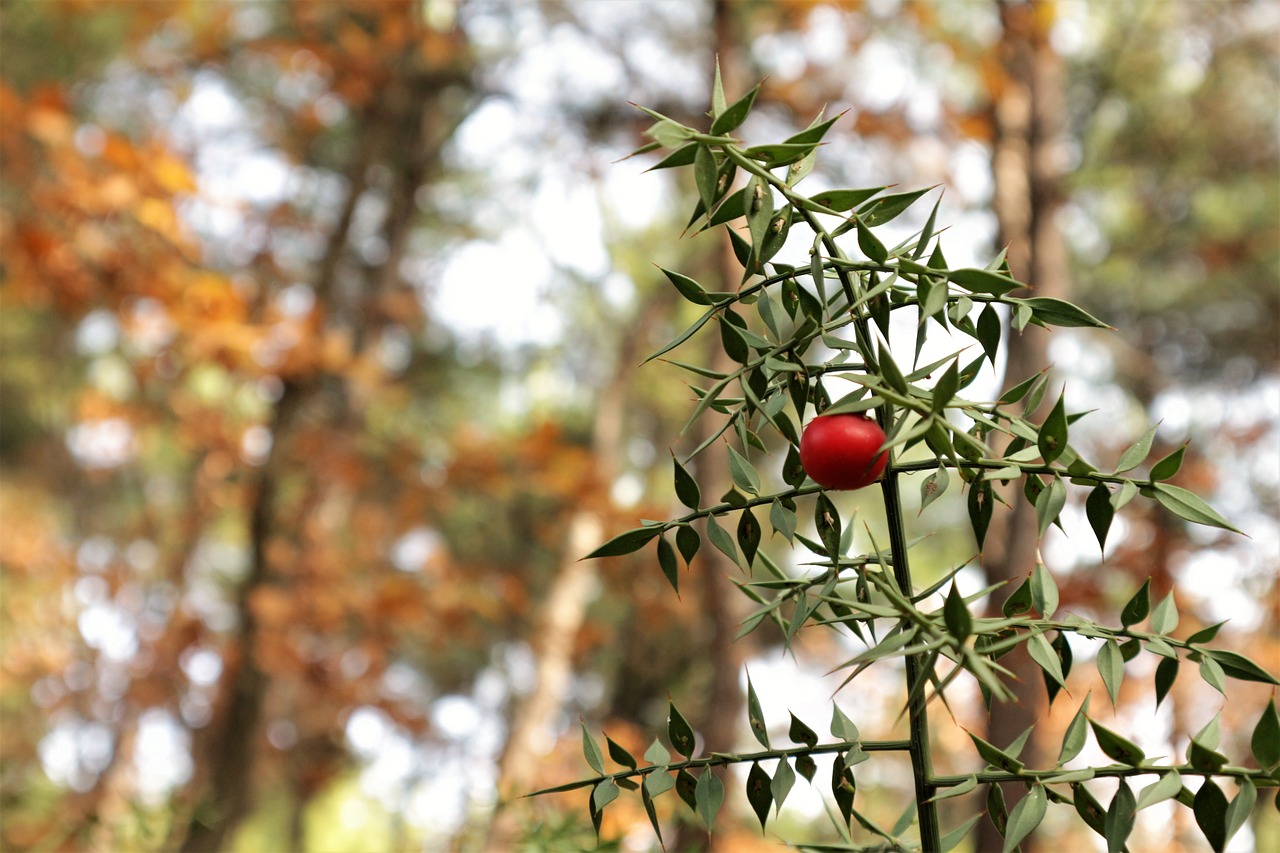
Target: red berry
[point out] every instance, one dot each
(839, 451)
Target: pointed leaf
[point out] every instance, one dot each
(721, 539)
(782, 519)
(983, 281)
(1044, 591)
(1165, 616)
(826, 519)
(1025, 817)
(995, 756)
(1241, 807)
(688, 542)
(687, 490)
(1164, 788)
(1045, 657)
(743, 472)
(1111, 668)
(1056, 312)
(888, 207)
(1265, 741)
(1169, 465)
(1120, 818)
(956, 615)
(1137, 454)
(981, 496)
(806, 766)
(1240, 667)
(842, 727)
(1210, 809)
(748, 535)
(667, 562)
(1077, 734)
(625, 543)
(1100, 512)
(1121, 749)
(783, 779)
(1138, 606)
(843, 787)
(1052, 439)
(734, 115)
(1189, 506)
(802, 734)
(657, 754)
(620, 755)
(754, 715)
(759, 792)
(1166, 674)
(933, 486)
(679, 732)
(591, 750)
(709, 795)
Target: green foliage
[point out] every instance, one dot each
(829, 320)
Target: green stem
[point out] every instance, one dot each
(917, 709)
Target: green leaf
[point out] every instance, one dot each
(1019, 602)
(840, 200)
(1138, 607)
(620, 755)
(748, 535)
(704, 175)
(956, 615)
(1120, 818)
(1044, 591)
(688, 542)
(1100, 512)
(933, 486)
(754, 715)
(1056, 312)
(1168, 466)
(1164, 788)
(679, 732)
(981, 496)
(591, 750)
(802, 734)
(689, 289)
(759, 793)
(1265, 742)
(996, 810)
(957, 790)
(1052, 439)
(1240, 667)
(806, 766)
(1166, 674)
(1089, 809)
(1077, 734)
(1210, 809)
(783, 779)
(709, 795)
(625, 543)
(1189, 506)
(1025, 817)
(718, 102)
(682, 156)
(687, 491)
(1137, 454)
(734, 115)
(995, 756)
(603, 794)
(1211, 673)
(1045, 657)
(888, 207)
(782, 519)
(657, 754)
(780, 153)
(1241, 807)
(843, 786)
(1111, 668)
(989, 329)
(743, 472)
(667, 562)
(870, 244)
(646, 797)
(826, 519)
(1206, 635)
(686, 783)
(983, 281)
(721, 539)
(1165, 616)
(841, 726)
(1115, 746)
(1049, 504)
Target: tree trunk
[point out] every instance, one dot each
(1028, 168)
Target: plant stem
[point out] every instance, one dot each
(917, 711)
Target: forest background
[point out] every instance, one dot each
(321, 324)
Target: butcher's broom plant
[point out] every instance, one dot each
(794, 334)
